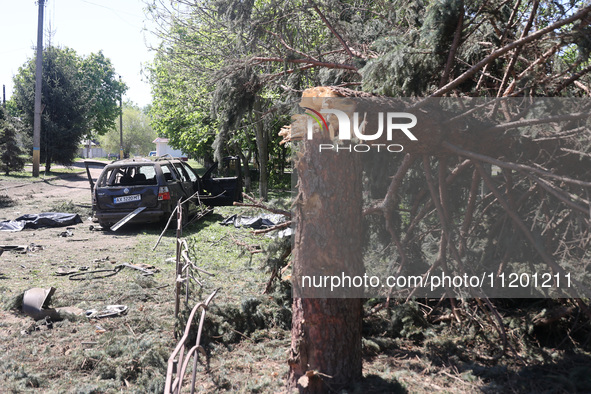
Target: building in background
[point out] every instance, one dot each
(162, 148)
(90, 149)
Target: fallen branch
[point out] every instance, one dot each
(261, 205)
(276, 227)
(512, 166)
(310, 62)
(332, 29)
(253, 249)
(501, 51)
(527, 233)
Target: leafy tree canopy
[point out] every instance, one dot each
(79, 97)
(138, 135)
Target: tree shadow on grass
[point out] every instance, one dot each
(570, 373)
(202, 223)
(374, 384)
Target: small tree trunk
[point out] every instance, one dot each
(47, 164)
(245, 168)
(262, 148)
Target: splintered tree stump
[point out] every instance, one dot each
(326, 332)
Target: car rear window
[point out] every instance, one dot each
(129, 176)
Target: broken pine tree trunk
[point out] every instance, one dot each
(325, 351)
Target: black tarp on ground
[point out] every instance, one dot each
(259, 222)
(45, 219)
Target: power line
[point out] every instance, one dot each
(116, 12)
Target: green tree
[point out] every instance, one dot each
(188, 126)
(11, 154)
(182, 74)
(138, 135)
(79, 98)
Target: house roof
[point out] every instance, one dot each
(160, 140)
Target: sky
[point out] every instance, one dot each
(114, 26)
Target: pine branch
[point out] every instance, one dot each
(515, 56)
(310, 62)
(533, 122)
(280, 226)
(501, 51)
(543, 58)
(525, 230)
(513, 166)
(562, 195)
(252, 249)
(454, 48)
(288, 47)
(581, 86)
(572, 79)
(332, 29)
(469, 214)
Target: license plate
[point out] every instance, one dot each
(133, 197)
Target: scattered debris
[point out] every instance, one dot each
(64, 270)
(127, 218)
(34, 247)
(67, 233)
(82, 273)
(105, 260)
(109, 311)
(260, 204)
(21, 249)
(144, 268)
(92, 274)
(36, 305)
(36, 300)
(262, 224)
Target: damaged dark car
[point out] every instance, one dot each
(147, 191)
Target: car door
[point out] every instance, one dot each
(189, 181)
(223, 190)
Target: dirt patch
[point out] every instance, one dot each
(48, 248)
(80, 349)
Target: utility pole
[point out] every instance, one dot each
(120, 123)
(38, 83)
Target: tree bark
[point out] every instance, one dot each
(325, 352)
(326, 344)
